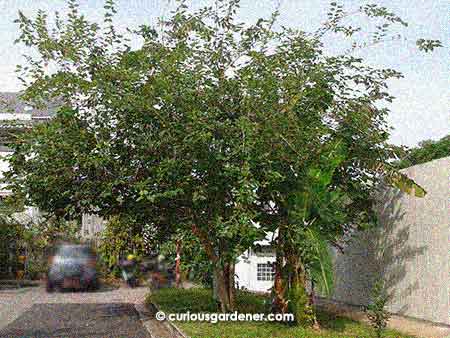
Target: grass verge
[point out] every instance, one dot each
(197, 300)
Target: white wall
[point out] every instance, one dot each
(30, 213)
(246, 272)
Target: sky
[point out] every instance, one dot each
(421, 109)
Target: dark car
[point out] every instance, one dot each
(72, 266)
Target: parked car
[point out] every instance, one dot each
(72, 266)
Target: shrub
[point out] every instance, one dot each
(183, 300)
(249, 302)
(201, 300)
(376, 311)
(22, 235)
(195, 263)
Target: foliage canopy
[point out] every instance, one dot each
(426, 151)
(211, 125)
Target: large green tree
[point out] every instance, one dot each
(426, 151)
(210, 125)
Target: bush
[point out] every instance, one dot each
(39, 239)
(376, 312)
(249, 302)
(22, 235)
(36, 267)
(195, 264)
(183, 300)
(175, 300)
(120, 238)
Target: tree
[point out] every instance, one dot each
(426, 151)
(210, 126)
(193, 260)
(157, 140)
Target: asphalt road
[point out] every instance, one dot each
(77, 320)
(109, 312)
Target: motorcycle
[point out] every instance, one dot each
(129, 273)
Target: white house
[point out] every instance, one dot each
(15, 115)
(254, 269)
(4, 151)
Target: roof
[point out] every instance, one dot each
(11, 104)
(4, 149)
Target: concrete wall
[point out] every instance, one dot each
(411, 252)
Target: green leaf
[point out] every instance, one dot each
(405, 184)
(321, 266)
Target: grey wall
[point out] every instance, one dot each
(411, 252)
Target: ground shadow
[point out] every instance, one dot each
(330, 321)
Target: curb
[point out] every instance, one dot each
(155, 328)
(175, 329)
(145, 317)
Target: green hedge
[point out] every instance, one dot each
(201, 300)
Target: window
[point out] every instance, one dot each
(265, 272)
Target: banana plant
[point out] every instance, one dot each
(401, 181)
(320, 267)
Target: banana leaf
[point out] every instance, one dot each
(321, 263)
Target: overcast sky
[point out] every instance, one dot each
(421, 109)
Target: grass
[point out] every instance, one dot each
(172, 300)
(331, 328)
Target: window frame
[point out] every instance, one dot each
(263, 274)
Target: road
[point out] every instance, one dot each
(108, 312)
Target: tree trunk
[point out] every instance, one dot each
(232, 285)
(279, 302)
(225, 287)
(177, 264)
(290, 282)
(316, 324)
(223, 273)
(312, 294)
(298, 297)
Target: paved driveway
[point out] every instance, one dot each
(32, 312)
